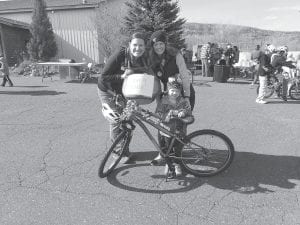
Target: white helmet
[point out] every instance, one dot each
(110, 114)
(283, 49)
(271, 48)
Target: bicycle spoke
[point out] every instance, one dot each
(206, 154)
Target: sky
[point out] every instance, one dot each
(283, 15)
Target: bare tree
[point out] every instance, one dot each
(108, 25)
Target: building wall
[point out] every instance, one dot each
(75, 30)
(14, 42)
(75, 33)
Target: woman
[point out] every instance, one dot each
(125, 61)
(168, 62)
(4, 69)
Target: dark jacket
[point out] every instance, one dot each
(166, 67)
(265, 66)
(110, 78)
(229, 54)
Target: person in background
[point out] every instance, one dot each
(229, 56)
(264, 70)
(215, 55)
(205, 55)
(279, 62)
(173, 105)
(255, 59)
(123, 62)
(5, 70)
(236, 52)
(236, 59)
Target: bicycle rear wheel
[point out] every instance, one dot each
(206, 153)
(294, 92)
(114, 154)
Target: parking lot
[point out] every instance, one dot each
(53, 138)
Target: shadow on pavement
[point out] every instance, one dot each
(142, 159)
(239, 81)
(182, 184)
(32, 93)
(259, 173)
(283, 102)
(198, 83)
(92, 80)
(30, 86)
(249, 173)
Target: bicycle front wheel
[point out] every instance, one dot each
(206, 153)
(294, 91)
(114, 154)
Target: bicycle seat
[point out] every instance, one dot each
(187, 120)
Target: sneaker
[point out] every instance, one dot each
(261, 101)
(166, 171)
(284, 98)
(169, 173)
(158, 160)
(178, 170)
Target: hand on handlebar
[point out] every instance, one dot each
(126, 73)
(110, 114)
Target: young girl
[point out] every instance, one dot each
(172, 105)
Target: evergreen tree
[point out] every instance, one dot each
(151, 15)
(42, 45)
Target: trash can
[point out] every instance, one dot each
(221, 73)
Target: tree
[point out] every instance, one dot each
(108, 25)
(151, 15)
(42, 45)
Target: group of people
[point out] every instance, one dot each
(211, 54)
(162, 61)
(270, 62)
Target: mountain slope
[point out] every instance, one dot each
(244, 37)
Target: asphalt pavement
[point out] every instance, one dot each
(53, 138)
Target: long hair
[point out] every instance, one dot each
(169, 53)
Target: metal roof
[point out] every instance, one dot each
(14, 23)
(27, 5)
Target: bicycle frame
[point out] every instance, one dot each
(140, 119)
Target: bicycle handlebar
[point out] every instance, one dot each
(134, 108)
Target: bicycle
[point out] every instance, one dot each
(204, 153)
(273, 85)
(294, 90)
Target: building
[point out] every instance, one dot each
(73, 23)
(13, 38)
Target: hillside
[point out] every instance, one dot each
(244, 37)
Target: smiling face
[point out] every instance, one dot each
(137, 47)
(159, 47)
(173, 93)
